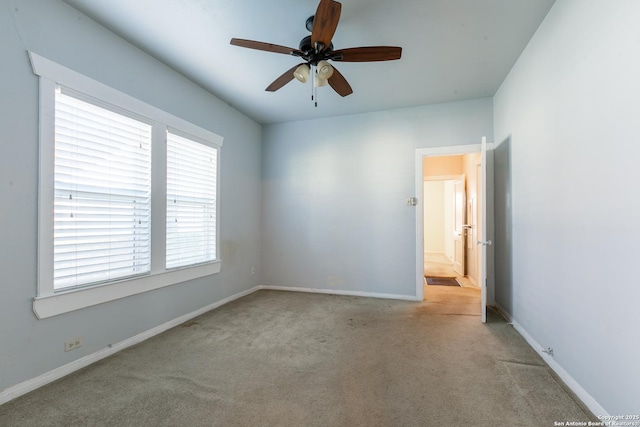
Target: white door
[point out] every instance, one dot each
(459, 221)
(483, 242)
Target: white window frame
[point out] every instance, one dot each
(48, 303)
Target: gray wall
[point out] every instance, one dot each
(503, 228)
(334, 190)
(52, 29)
(571, 106)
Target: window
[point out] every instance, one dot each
(191, 201)
(127, 194)
(102, 194)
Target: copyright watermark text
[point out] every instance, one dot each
(604, 421)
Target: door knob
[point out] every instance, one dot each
(487, 243)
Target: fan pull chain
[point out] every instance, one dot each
(315, 79)
(314, 90)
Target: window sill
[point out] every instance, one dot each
(45, 306)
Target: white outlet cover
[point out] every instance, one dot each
(72, 344)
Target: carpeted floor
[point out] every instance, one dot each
(296, 359)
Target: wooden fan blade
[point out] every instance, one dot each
(339, 83)
(268, 47)
(367, 54)
(285, 78)
(325, 23)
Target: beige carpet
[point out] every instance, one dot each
(295, 359)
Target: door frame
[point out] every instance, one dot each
(462, 236)
(454, 150)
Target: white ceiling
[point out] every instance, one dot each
(452, 49)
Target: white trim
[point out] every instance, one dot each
(25, 387)
(570, 382)
(49, 303)
(159, 199)
(62, 75)
(451, 150)
(338, 292)
(484, 221)
(46, 153)
(473, 282)
(419, 192)
(64, 302)
(504, 313)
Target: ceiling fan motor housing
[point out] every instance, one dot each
(310, 53)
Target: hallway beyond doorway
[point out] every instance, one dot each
(437, 264)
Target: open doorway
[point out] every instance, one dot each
(438, 197)
(452, 218)
(449, 163)
(443, 251)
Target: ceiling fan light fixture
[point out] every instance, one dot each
(319, 82)
(302, 73)
(325, 70)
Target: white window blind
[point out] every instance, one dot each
(191, 202)
(102, 194)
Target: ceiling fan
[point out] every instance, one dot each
(316, 50)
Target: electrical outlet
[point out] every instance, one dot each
(253, 271)
(72, 344)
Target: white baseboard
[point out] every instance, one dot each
(504, 313)
(339, 292)
(64, 370)
(582, 394)
(473, 282)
